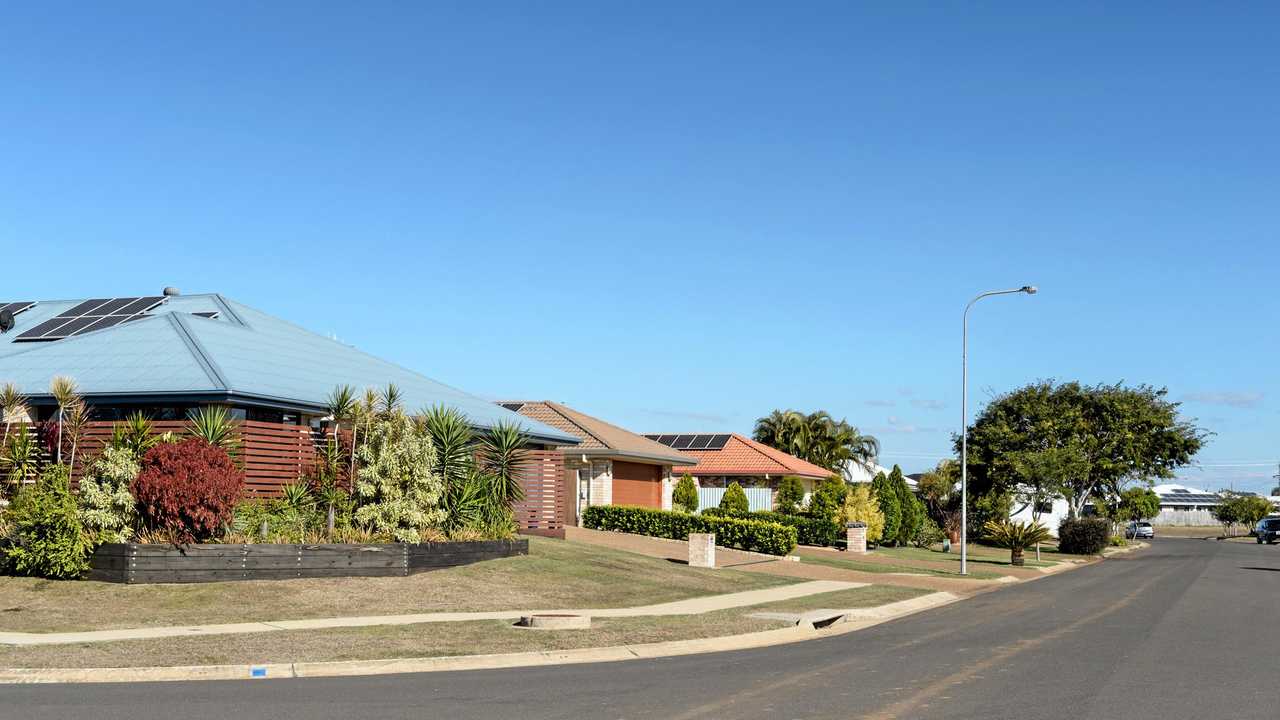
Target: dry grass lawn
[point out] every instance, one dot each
(555, 574)
(431, 640)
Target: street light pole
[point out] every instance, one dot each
(964, 423)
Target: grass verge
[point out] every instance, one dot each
(432, 639)
(838, 561)
(555, 574)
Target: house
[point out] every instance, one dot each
(1182, 505)
(725, 458)
(611, 466)
(168, 354)
(857, 472)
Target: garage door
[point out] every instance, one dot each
(636, 484)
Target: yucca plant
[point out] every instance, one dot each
(21, 457)
(214, 425)
(13, 404)
(503, 456)
(453, 441)
(77, 421)
(1016, 536)
(135, 433)
(65, 394)
(390, 400)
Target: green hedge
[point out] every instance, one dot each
(1085, 536)
(755, 535)
(809, 531)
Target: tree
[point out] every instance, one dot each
(734, 500)
(1115, 433)
(65, 394)
(887, 497)
(1240, 509)
(1043, 475)
(685, 494)
(939, 490)
(861, 506)
(13, 407)
(828, 498)
(1016, 536)
(790, 495)
(816, 437)
(910, 509)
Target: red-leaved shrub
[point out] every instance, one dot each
(188, 489)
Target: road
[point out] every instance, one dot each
(1185, 629)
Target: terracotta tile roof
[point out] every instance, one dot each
(598, 436)
(744, 456)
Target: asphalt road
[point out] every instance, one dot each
(1186, 629)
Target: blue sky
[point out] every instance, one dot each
(678, 216)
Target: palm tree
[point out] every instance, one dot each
(342, 407)
(77, 421)
(817, 438)
(64, 392)
(453, 440)
(12, 404)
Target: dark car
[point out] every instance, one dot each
(1268, 530)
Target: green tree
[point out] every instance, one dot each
(1118, 433)
(1016, 536)
(910, 509)
(862, 506)
(735, 500)
(1240, 509)
(790, 495)
(816, 437)
(396, 492)
(890, 506)
(939, 490)
(828, 498)
(46, 538)
(685, 494)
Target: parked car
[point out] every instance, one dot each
(1267, 530)
(1137, 530)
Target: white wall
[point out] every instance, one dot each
(1050, 520)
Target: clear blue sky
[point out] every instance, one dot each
(678, 216)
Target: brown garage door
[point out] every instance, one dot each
(636, 484)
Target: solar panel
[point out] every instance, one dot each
(718, 442)
(513, 407)
(89, 316)
(700, 442)
(17, 307)
(210, 315)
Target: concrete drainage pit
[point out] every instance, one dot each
(552, 621)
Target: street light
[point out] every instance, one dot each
(964, 424)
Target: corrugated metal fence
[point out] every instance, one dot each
(757, 498)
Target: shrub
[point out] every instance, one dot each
(108, 510)
(991, 507)
(1016, 536)
(790, 495)
(809, 531)
(861, 506)
(928, 534)
(686, 494)
(828, 499)
(755, 535)
(187, 489)
(1083, 536)
(735, 499)
(910, 509)
(887, 498)
(46, 538)
(396, 491)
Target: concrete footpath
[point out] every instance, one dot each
(691, 606)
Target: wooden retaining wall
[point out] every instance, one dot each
(134, 563)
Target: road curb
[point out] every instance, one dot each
(857, 620)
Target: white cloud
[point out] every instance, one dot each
(928, 404)
(1236, 399)
(880, 403)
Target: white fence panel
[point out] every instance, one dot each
(757, 498)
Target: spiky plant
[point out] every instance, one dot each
(12, 404)
(453, 441)
(1016, 536)
(65, 394)
(390, 400)
(503, 456)
(77, 421)
(21, 458)
(135, 433)
(214, 425)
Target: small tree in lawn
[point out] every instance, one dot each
(685, 494)
(735, 500)
(790, 495)
(910, 509)
(887, 497)
(861, 506)
(1016, 536)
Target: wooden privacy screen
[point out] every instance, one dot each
(542, 510)
(274, 455)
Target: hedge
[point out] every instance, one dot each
(809, 531)
(755, 535)
(1086, 536)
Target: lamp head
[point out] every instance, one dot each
(1029, 289)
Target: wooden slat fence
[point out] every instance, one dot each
(542, 510)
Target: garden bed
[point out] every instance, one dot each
(138, 563)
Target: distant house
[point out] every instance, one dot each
(1183, 505)
(610, 466)
(167, 354)
(725, 458)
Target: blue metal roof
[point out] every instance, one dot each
(242, 353)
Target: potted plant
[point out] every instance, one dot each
(1016, 536)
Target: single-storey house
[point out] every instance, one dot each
(611, 466)
(726, 458)
(168, 354)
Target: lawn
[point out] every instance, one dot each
(847, 563)
(434, 639)
(556, 574)
(977, 554)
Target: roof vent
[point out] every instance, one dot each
(171, 292)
